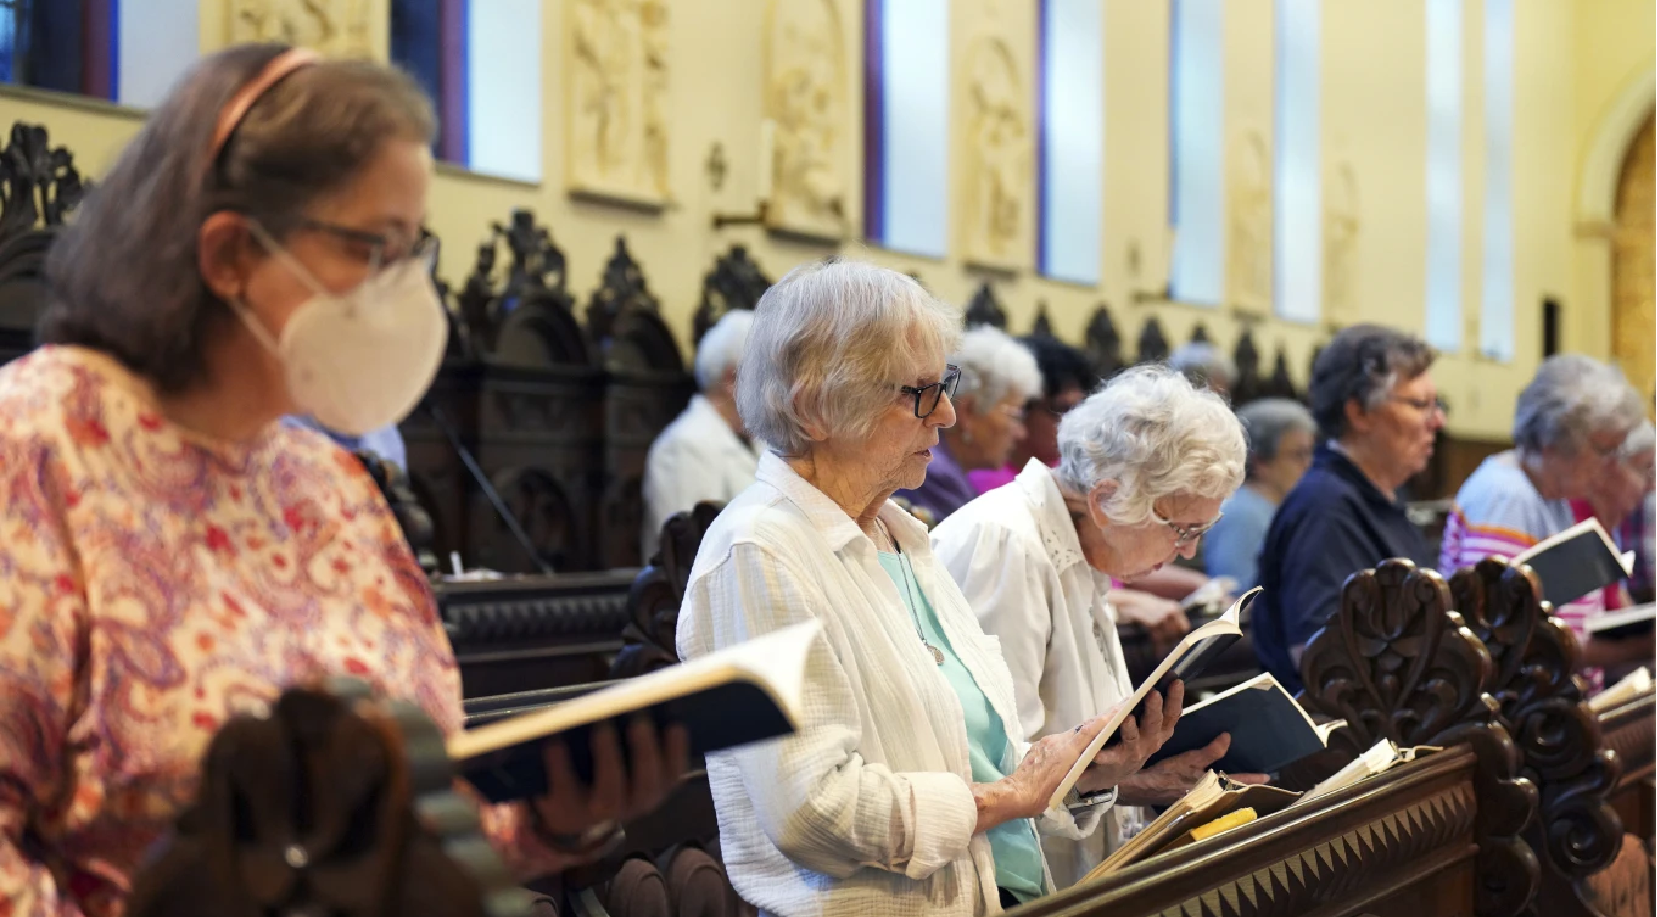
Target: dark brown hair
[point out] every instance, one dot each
(123, 278)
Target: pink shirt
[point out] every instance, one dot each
(151, 586)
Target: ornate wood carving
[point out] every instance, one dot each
(1043, 324)
(1542, 703)
(338, 28)
(1199, 333)
(1153, 341)
(1103, 343)
(999, 146)
(39, 187)
(617, 124)
(1246, 356)
(653, 602)
(1395, 663)
(735, 282)
(1281, 384)
(984, 308)
(805, 98)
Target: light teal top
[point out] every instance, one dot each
(1017, 852)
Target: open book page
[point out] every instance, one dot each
(1188, 659)
(1381, 757)
(1215, 797)
(1622, 617)
(774, 663)
(1632, 685)
(1325, 730)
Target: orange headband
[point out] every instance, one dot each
(236, 109)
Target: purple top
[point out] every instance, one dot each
(985, 480)
(946, 488)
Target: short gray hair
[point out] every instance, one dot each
(829, 341)
(1265, 421)
(994, 365)
(1155, 434)
(1570, 398)
(1202, 363)
(1362, 363)
(720, 349)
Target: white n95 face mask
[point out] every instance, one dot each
(359, 361)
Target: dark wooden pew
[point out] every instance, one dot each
(1440, 835)
(524, 633)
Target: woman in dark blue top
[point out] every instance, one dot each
(1377, 408)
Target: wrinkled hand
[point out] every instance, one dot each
(1024, 793)
(622, 789)
(1139, 741)
(1171, 778)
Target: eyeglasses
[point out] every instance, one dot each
(1187, 534)
(1424, 405)
(927, 397)
(379, 250)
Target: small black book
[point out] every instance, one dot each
(1622, 623)
(744, 694)
(1268, 729)
(1576, 562)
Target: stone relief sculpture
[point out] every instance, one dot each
(998, 152)
(805, 96)
(617, 119)
(1249, 249)
(1341, 224)
(338, 28)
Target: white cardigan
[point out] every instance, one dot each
(867, 810)
(698, 457)
(1015, 554)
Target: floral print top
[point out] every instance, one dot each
(153, 584)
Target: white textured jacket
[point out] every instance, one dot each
(696, 457)
(1015, 554)
(867, 810)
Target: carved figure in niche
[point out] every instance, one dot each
(1249, 252)
(618, 80)
(998, 155)
(1340, 245)
(340, 28)
(805, 95)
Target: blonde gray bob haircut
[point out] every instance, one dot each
(829, 344)
(1156, 435)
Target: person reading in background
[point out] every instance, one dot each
(1280, 437)
(172, 554)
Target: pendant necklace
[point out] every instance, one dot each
(909, 585)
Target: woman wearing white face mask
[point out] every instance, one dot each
(170, 553)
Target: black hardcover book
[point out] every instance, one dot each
(747, 693)
(1268, 729)
(1575, 562)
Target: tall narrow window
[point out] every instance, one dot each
(60, 45)
(1444, 190)
(906, 125)
(1299, 177)
(428, 39)
(1496, 306)
(1196, 193)
(159, 41)
(1072, 140)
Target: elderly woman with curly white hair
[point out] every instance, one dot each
(1144, 464)
(909, 788)
(998, 375)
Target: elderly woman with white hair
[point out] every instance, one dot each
(705, 453)
(998, 375)
(909, 787)
(1144, 464)
(1572, 430)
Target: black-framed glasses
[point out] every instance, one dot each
(928, 397)
(1186, 534)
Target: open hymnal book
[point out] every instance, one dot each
(1624, 622)
(1576, 561)
(1188, 659)
(1632, 685)
(1268, 728)
(1215, 797)
(745, 693)
(1381, 757)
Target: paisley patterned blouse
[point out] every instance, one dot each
(153, 584)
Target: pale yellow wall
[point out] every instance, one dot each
(1572, 57)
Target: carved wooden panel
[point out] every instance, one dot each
(1557, 733)
(39, 187)
(735, 282)
(1245, 355)
(1153, 341)
(1395, 663)
(617, 124)
(1104, 343)
(1043, 323)
(653, 602)
(1280, 384)
(984, 308)
(806, 92)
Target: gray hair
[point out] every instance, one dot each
(1155, 434)
(125, 277)
(829, 342)
(1202, 363)
(1267, 420)
(1570, 398)
(994, 365)
(720, 349)
(1362, 363)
